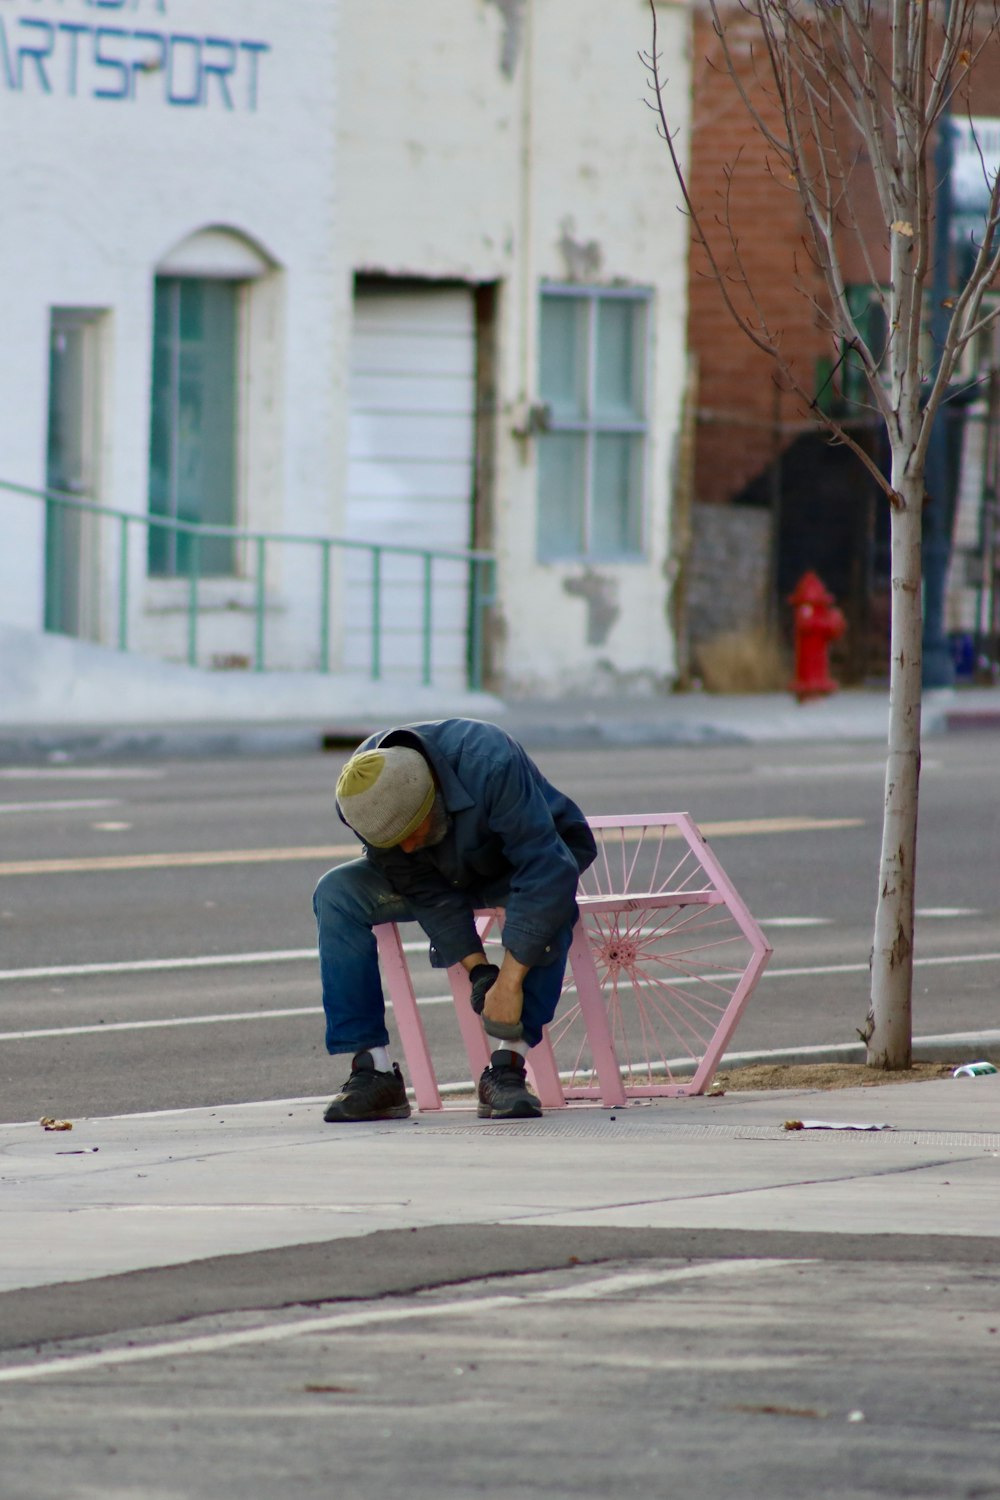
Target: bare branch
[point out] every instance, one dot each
(652, 64)
(854, 96)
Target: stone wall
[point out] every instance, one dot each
(727, 570)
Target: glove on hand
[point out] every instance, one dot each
(482, 978)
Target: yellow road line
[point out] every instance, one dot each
(183, 860)
(778, 825)
(191, 859)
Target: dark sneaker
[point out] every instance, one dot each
(369, 1094)
(503, 1092)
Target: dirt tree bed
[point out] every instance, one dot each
(823, 1076)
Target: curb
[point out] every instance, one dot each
(984, 718)
(959, 1047)
(54, 746)
(34, 746)
(54, 743)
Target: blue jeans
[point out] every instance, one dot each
(352, 899)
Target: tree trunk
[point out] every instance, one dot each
(888, 1030)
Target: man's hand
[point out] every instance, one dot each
(502, 1009)
(498, 994)
(498, 1001)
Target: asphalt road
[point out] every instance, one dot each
(773, 1375)
(462, 1359)
(149, 987)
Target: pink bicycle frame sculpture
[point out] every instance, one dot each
(664, 959)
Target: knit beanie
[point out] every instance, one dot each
(385, 794)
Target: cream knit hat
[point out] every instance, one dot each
(385, 794)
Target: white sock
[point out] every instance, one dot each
(521, 1048)
(380, 1057)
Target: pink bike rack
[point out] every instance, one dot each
(664, 959)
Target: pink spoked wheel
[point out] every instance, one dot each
(671, 952)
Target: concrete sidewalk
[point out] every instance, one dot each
(123, 1194)
(679, 719)
(741, 719)
(589, 1304)
(63, 698)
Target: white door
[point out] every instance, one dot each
(410, 481)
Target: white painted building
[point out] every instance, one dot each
(166, 302)
(515, 278)
(411, 275)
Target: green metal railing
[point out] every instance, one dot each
(481, 567)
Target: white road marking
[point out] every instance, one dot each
(94, 1028)
(152, 965)
(271, 1333)
(818, 970)
(79, 773)
(795, 921)
(631, 1281)
(947, 911)
(941, 960)
(845, 769)
(70, 805)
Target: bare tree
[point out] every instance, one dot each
(849, 95)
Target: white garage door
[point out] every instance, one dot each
(410, 479)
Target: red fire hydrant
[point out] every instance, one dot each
(817, 623)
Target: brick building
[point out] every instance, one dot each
(744, 416)
(754, 441)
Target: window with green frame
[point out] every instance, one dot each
(192, 451)
(593, 346)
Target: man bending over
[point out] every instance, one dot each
(453, 815)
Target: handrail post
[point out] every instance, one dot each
(428, 592)
(475, 628)
(258, 659)
(194, 563)
(324, 608)
(483, 595)
(376, 613)
(482, 584)
(123, 584)
(54, 513)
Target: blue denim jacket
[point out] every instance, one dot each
(513, 840)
